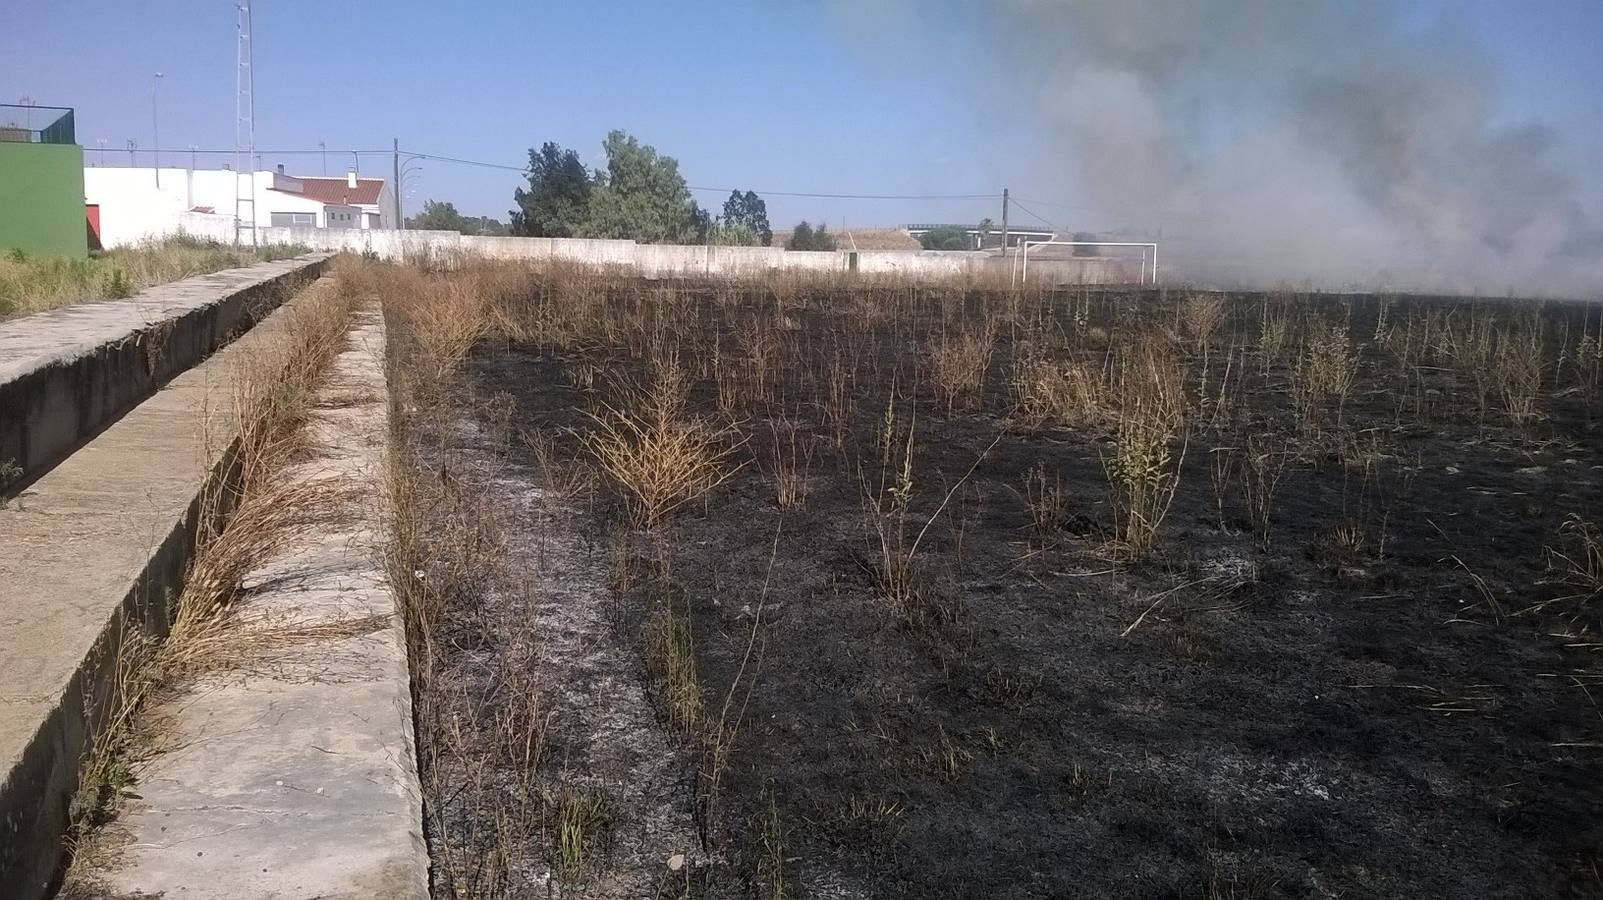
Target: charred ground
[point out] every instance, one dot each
(948, 635)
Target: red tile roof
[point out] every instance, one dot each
(336, 190)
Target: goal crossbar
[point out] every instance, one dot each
(1026, 245)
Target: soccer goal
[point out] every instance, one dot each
(1022, 273)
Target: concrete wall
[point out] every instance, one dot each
(655, 260)
(67, 374)
(42, 199)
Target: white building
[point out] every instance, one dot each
(201, 202)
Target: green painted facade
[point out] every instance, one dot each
(41, 199)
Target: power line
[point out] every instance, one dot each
(1034, 215)
(1062, 205)
(273, 152)
(724, 190)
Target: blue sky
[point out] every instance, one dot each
(786, 95)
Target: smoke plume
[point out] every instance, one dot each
(1279, 141)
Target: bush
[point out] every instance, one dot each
(805, 237)
(948, 237)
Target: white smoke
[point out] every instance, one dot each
(1303, 141)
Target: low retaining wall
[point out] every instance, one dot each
(94, 552)
(68, 373)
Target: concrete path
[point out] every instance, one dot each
(292, 773)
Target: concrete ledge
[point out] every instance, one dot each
(68, 373)
(292, 773)
(95, 548)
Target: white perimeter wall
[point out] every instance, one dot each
(686, 260)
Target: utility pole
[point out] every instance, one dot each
(1004, 222)
(323, 149)
(244, 123)
(396, 187)
(155, 128)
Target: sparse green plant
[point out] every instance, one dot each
(10, 473)
(1149, 447)
(578, 827)
(771, 861)
(671, 656)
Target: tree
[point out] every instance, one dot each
(987, 228)
(946, 237)
(557, 203)
(438, 216)
(642, 196)
(804, 237)
(487, 226)
(749, 211)
(726, 235)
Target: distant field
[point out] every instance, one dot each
(29, 285)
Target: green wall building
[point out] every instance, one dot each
(41, 183)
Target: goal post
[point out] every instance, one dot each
(1025, 246)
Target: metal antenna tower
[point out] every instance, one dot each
(244, 128)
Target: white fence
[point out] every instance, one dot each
(668, 259)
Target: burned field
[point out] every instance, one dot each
(793, 589)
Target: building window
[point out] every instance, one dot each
(280, 219)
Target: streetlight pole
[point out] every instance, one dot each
(155, 128)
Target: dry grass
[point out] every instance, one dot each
(30, 285)
(957, 364)
(1068, 393)
(1517, 370)
(1323, 376)
(247, 516)
(658, 455)
(1577, 566)
(1202, 315)
(1043, 498)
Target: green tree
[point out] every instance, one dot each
(727, 235)
(487, 226)
(438, 216)
(805, 237)
(947, 237)
(749, 211)
(642, 196)
(557, 203)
